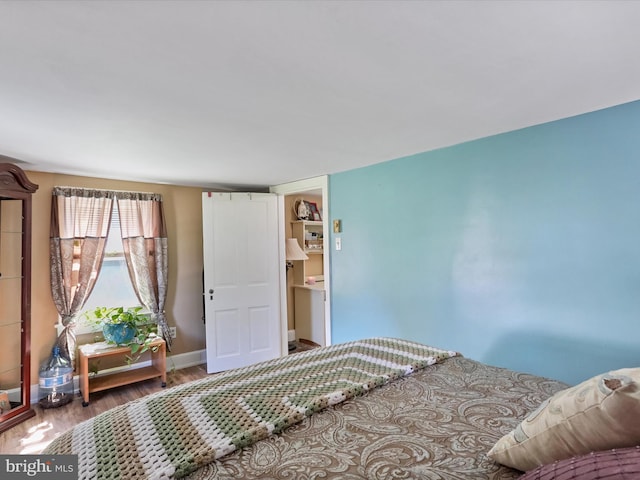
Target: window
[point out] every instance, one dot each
(113, 286)
(80, 220)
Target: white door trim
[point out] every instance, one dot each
(316, 183)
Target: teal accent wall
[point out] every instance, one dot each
(520, 250)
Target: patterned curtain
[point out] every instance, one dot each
(144, 236)
(80, 221)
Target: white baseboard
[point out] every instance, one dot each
(174, 362)
(184, 360)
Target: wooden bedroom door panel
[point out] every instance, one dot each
(241, 279)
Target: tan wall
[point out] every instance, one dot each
(183, 213)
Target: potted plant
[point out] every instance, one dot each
(125, 326)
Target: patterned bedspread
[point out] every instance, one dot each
(173, 433)
(436, 424)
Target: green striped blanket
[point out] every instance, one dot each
(171, 433)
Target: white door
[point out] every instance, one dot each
(241, 279)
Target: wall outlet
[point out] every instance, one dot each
(172, 332)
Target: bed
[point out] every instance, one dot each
(377, 408)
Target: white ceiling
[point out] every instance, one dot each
(265, 92)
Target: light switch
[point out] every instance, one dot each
(337, 226)
(338, 243)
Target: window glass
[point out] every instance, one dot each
(113, 287)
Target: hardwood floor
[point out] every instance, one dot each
(33, 435)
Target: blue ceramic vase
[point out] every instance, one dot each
(118, 333)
